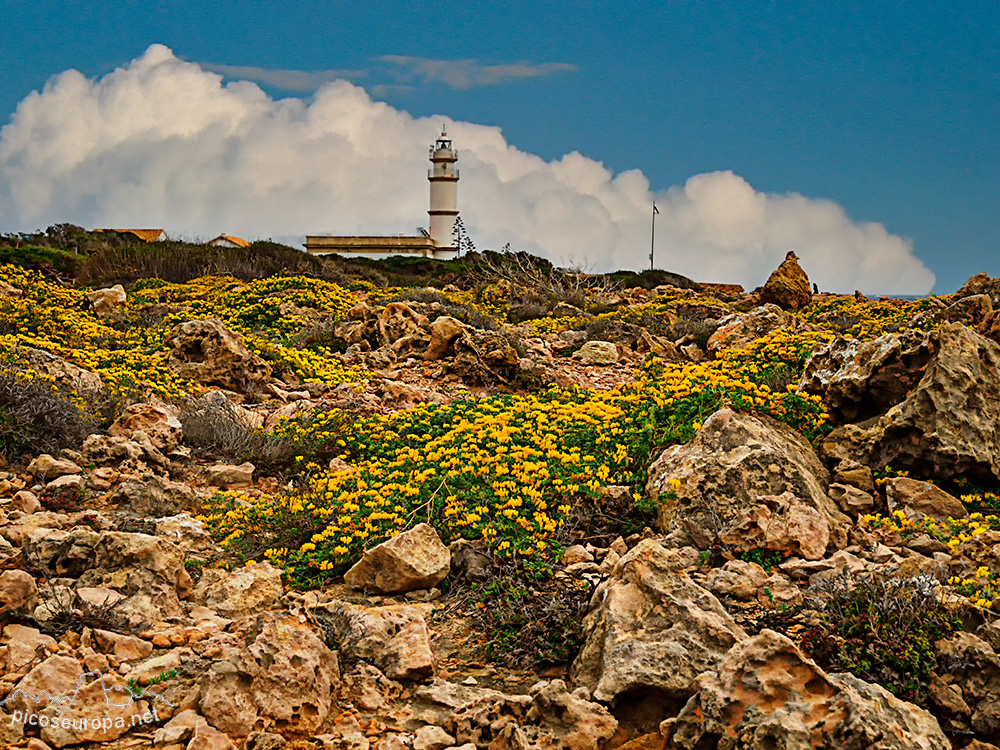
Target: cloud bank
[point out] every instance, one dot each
(162, 142)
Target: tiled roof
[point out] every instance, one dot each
(238, 241)
(146, 235)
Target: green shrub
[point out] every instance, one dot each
(881, 630)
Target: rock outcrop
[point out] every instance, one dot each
(206, 352)
(766, 694)
(652, 632)
(735, 462)
(415, 559)
(788, 286)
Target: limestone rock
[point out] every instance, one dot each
(66, 375)
(788, 286)
(975, 669)
(733, 462)
(243, 591)
(863, 379)
(948, 427)
(106, 302)
(444, 331)
(163, 428)
(738, 579)
(782, 523)
(18, 592)
(923, 497)
(229, 476)
(739, 329)
(282, 677)
(206, 352)
(47, 468)
(394, 638)
(403, 329)
(151, 496)
(415, 559)
(981, 283)
(485, 358)
(652, 631)
(851, 500)
(765, 694)
(597, 353)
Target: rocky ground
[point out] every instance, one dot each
(773, 577)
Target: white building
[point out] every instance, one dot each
(439, 243)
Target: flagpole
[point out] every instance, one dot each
(652, 235)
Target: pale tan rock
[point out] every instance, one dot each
(160, 425)
(766, 691)
(126, 647)
(718, 477)
(738, 579)
(782, 523)
(597, 353)
(206, 352)
(26, 647)
(653, 627)
(444, 331)
(241, 592)
(576, 553)
(283, 675)
(26, 501)
(106, 302)
(345, 735)
(67, 481)
(394, 638)
(53, 681)
(851, 500)
(737, 330)
(108, 709)
(415, 559)
(432, 738)
(47, 468)
(18, 592)
(945, 427)
(924, 498)
(231, 477)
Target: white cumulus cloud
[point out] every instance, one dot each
(163, 142)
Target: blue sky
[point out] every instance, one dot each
(888, 109)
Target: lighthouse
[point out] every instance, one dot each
(444, 197)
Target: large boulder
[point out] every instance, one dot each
(394, 638)
(64, 374)
(948, 426)
(981, 283)
(863, 379)
(104, 303)
(244, 591)
(415, 559)
(206, 352)
(766, 694)
(485, 358)
(974, 669)
(403, 329)
(283, 677)
(652, 632)
(597, 353)
(735, 462)
(159, 424)
(788, 286)
(444, 331)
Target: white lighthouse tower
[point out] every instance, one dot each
(444, 197)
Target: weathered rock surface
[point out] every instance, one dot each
(766, 694)
(106, 302)
(206, 352)
(394, 638)
(244, 591)
(948, 427)
(282, 677)
(733, 462)
(415, 559)
(788, 286)
(444, 331)
(597, 353)
(924, 498)
(485, 357)
(159, 424)
(739, 329)
(652, 632)
(782, 523)
(863, 379)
